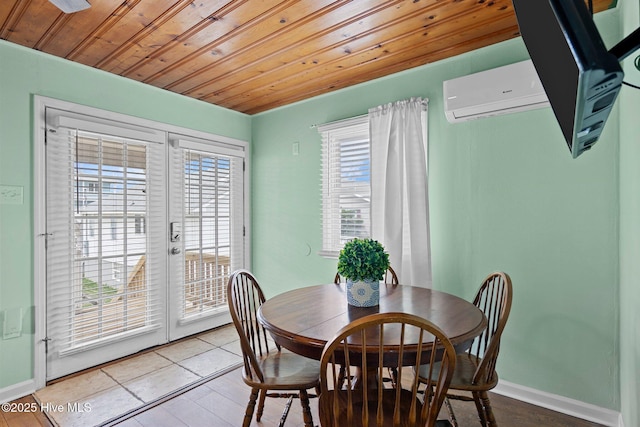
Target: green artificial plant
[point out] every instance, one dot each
(363, 259)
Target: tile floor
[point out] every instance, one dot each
(99, 395)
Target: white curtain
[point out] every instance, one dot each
(399, 187)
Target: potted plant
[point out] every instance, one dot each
(363, 263)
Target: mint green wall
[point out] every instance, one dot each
(505, 195)
(23, 73)
(630, 229)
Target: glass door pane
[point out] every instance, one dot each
(207, 230)
(204, 206)
(100, 193)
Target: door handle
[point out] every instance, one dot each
(175, 251)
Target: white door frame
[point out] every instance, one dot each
(39, 209)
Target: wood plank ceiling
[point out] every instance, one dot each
(255, 55)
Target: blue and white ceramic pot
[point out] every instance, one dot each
(363, 293)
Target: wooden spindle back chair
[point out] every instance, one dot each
(266, 367)
(399, 340)
(476, 369)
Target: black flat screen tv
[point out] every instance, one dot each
(580, 76)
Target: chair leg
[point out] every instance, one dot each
(250, 408)
(488, 411)
(306, 410)
(263, 396)
(452, 416)
(480, 408)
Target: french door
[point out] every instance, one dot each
(206, 230)
(143, 228)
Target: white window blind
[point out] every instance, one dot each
(209, 177)
(104, 271)
(346, 183)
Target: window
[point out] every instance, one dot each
(114, 229)
(140, 225)
(346, 183)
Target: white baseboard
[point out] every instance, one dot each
(565, 405)
(16, 391)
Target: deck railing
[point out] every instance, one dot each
(205, 280)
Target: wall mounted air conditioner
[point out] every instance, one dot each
(502, 90)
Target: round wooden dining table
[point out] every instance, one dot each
(304, 319)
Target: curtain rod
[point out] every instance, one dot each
(425, 102)
(335, 122)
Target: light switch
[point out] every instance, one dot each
(295, 148)
(11, 195)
